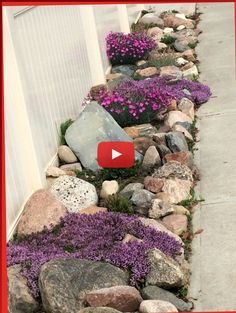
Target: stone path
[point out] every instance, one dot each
(214, 250)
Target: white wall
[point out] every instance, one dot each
(52, 56)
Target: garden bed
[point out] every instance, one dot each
(98, 236)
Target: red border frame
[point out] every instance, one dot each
(3, 272)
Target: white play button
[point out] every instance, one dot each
(115, 154)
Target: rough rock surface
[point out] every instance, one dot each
(122, 298)
(174, 22)
(174, 169)
(181, 129)
(66, 154)
(163, 150)
(54, 171)
(74, 193)
(20, 299)
(42, 209)
(178, 189)
(98, 310)
(152, 18)
(77, 277)
(151, 157)
(176, 116)
(155, 32)
(142, 198)
(127, 70)
(158, 226)
(176, 141)
(146, 130)
(130, 189)
(171, 70)
(93, 210)
(160, 138)
(156, 293)
(187, 107)
(141, 144)
(131, 131)
(183, 157)
(155, 306)
(71, 167)
(160, 209)
(182, 43)
(153, 184)
(109, 187)
(102, 127)
(193, 71)
(177, 223)
(164, 272)
(147, 72)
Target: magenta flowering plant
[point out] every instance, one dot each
(138, 101)
(128, 48)
(95, 237)
(134, 102)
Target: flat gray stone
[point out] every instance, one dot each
(127, 70)
(93, 125)
(130, 189)
(176, 141)
(142, 198)
(156, 293)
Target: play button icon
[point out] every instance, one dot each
(115, 154)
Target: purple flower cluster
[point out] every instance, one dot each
(180, 88)
(137, 101)
(128, 48)
(134, 101)
(95, 237)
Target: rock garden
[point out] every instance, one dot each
(119, 240)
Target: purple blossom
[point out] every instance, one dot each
(137, 101)
(128, 48)
(95, 237)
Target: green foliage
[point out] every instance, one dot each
(168, 40)
(141, 27)
(192, 45)
(118, 203)
(193, 200)
(97, 178)
(195, 78)
(115, 173)
(182, 292)
(137, 76)
(63, 129)
(69, 248)
(164, 60)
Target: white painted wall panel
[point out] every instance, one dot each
(54, 68)
(106, 17)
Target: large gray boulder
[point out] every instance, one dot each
(20, 299)
(92, 126)
(76, 278)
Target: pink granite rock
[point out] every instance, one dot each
(177, 223)
(42, 209)
(122, 298)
